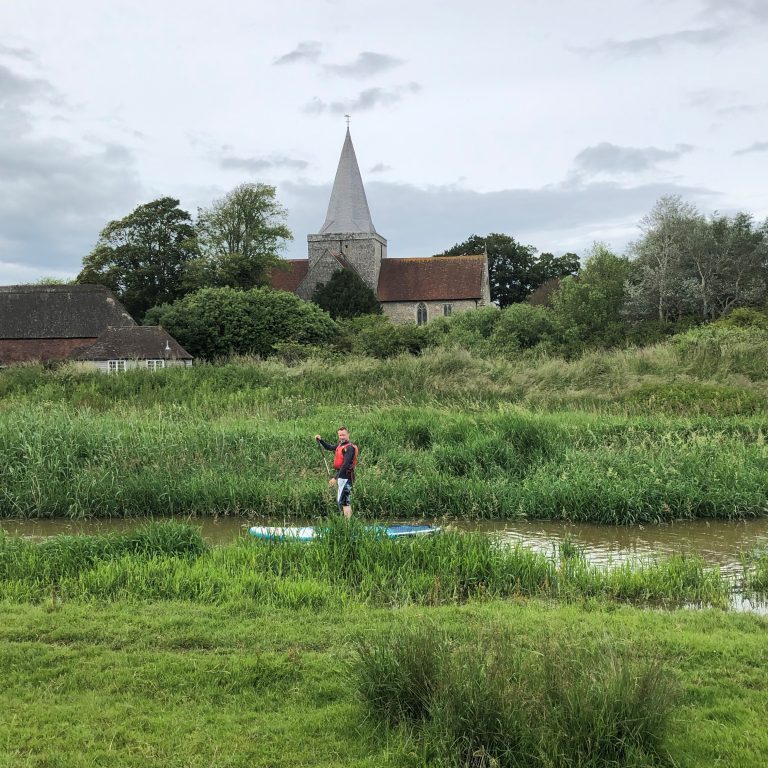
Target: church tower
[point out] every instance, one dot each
(348, 237)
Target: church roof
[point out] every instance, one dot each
(348, 208)
(438, 278)
(289, 279)
(58, 311)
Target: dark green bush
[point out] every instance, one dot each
(216, 322)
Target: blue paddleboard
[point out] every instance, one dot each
(308, 533)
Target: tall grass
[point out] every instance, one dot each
(347, 562)
(623, 437)
(507, 701)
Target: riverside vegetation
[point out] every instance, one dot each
(643, 435)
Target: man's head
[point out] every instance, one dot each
(343, 434)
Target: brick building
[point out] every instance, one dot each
(410, 290)
(48, 323)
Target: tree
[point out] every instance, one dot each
(514, 270)
(239, 237)
(141, 257)
(689, 266)
(660, 285)
(549, 266)
(589, 309)
(214, 322)
(346, 295)
(510, 265)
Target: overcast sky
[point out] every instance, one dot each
(558, 122)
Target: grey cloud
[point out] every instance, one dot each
(366, 64)
(750, 10)
(16, 88)
(610, 158)
(743, 109)
(364, 101)
(54, 197)
(17, 53)
(256, 164)
(758, 146)
(659, 44)
(380, 168)
(306, 51)
(422, 222)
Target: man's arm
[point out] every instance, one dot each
(327, 446)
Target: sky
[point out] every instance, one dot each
(560, 123)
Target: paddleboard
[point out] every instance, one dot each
(308, 533)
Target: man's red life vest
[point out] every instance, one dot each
(338, 457)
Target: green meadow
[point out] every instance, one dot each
(177, 684)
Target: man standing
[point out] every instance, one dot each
(344, 462)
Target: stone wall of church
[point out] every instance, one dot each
(320, 271)
(402, 312)
(363, 251)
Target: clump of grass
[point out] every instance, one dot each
(497, 701)
(757, 573)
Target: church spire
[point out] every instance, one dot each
(348, 209)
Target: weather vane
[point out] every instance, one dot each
(347, 116)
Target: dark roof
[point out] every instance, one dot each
(133, 342)
(542, 296)
(58, 311)
(436, 278)
(289, 279)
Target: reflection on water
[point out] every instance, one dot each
(718, 542)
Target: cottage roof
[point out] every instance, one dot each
(134, 342)
(58, 311)
(438, 278)
(289, 279)
(348, 209)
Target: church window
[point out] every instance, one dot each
(421, 314)
(447, 308)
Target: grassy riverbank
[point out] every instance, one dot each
(347, 564)
(674, 431)
(182, 684)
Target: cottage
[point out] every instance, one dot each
(137, 346)
(49, 323)
(410, 290)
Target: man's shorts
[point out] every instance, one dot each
(343, 490)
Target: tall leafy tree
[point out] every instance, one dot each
(511, 266)
(514, 269)
(142, 256)
(688, 265)
(346, 295)
(589, 310)
(239, 237)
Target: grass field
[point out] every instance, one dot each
(182, 684)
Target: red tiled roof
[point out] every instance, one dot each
(435, 278)
(289, 279)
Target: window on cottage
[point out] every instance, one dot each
(421, 314)
(115, 366)
(153, 365)
(447, 309)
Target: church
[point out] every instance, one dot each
(412, 290)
